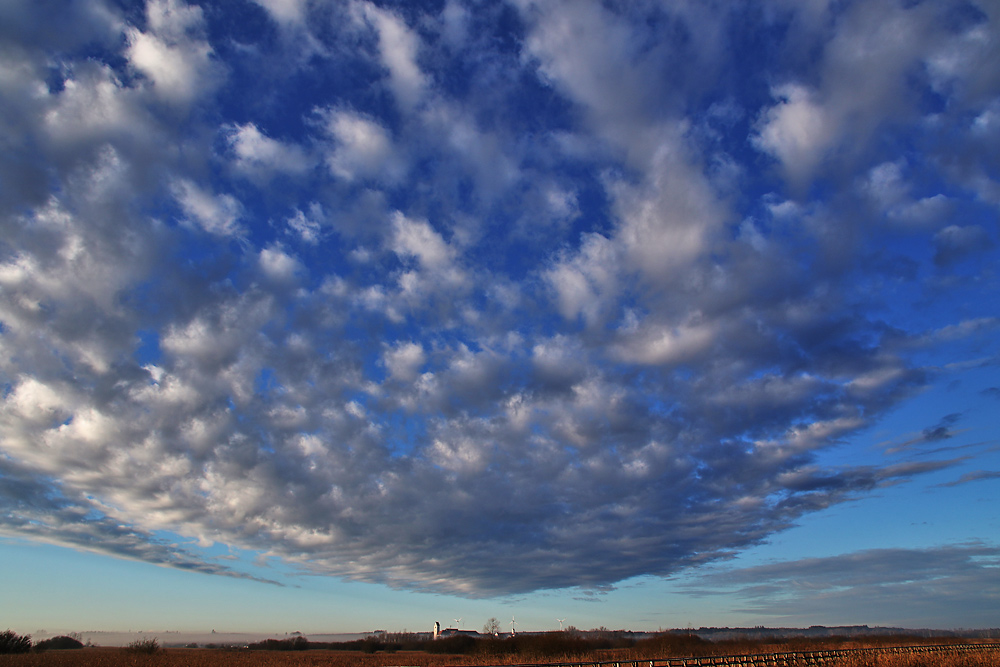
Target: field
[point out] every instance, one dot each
(202, 657)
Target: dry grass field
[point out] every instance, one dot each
(181, 657)
(938, 660)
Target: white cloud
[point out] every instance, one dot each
(308, 226)
(172, 54)
(219, 336)
(587, 52)
(292, 12)
(798, 131)
(669, 222)
(664, 344)
(363, 148)
(417, 239)
(398, 48)
(217, 214)
(404, 361)
(94, 106)
(465, 456)
(862, 86)
(887, 187)
(257, 153)
(40, 404)
(278, 266)
(586, 284)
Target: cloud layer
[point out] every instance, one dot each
(917, 586)
(488, 300)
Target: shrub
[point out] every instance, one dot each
(144, 645)
(454, 645)
(58, 643)
(11, 642)
(552, 644)
(672, 644)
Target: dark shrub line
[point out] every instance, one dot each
(60, 643)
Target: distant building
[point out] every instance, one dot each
(451, 632)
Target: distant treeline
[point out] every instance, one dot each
(535, 644)
(574, 642)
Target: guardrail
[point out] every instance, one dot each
(789, 659)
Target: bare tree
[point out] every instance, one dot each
(492, 626)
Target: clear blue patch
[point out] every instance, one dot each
(267, 382)
(148, 350)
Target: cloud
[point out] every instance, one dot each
(291, 12)
(544, 284)
(672, 220)
(970, 328)
(896, 587)
(38, 510)
(308, 226)
(172, 53)
(92, 105)
(363, 148)
(668, 345)
(977, 476)
(943, 430)
(954, 243)
(398, 49)
(797, 130)
(418, 240)
(404, 361)
(259, 154)
(278, 266)
(827, 121)
(217, 214)
(587, 283)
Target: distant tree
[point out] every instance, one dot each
(11, 642)
(58, 643)
(492, 626)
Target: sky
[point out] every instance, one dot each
(332, 316)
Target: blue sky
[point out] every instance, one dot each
(334, 316)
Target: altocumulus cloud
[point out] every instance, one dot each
(420, 295)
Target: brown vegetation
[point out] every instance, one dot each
(916, 660)
(551, 647)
